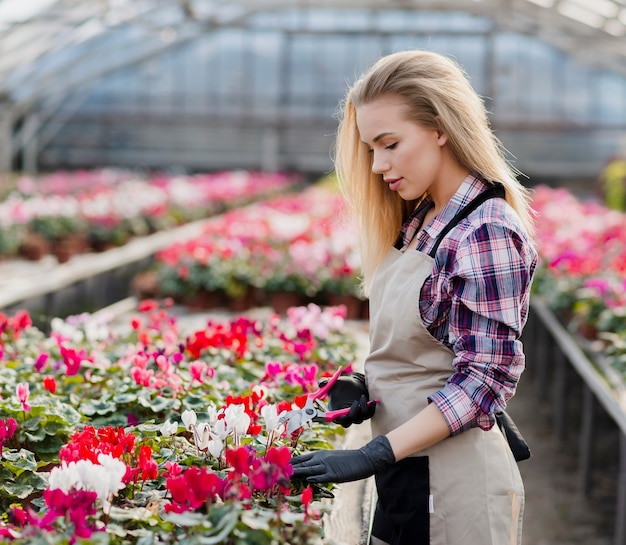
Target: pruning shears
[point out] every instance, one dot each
(314, 409)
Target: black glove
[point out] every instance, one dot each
(350, 391)
(341, 466)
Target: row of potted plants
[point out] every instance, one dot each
(582, 272)
(147, 430)
(66, 213)
(292, 248)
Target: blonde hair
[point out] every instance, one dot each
(437, 94)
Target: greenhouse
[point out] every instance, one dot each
(199, 339)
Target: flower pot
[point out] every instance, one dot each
(280, 301)
(67, 247)
(34, 247)
(244, 302)
(146, 285)
(204, 300)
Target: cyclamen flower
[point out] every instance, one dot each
(50, 384)
(237, 419)
(106, 478)
(41, 361)
(148, 467)
(7, 429)
(202, 435)
(189, 419)
(23, 392)
(76, 506)
(168, 428)
(193, 489)
(273, 426)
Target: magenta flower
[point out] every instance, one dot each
(7, 430)
(41, 361)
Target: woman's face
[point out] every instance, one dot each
(411, 159)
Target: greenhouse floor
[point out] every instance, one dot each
(557, 512)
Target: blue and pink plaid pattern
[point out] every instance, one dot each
(476, 302)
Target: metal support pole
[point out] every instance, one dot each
(542, 359)
(586, 438)
(620, 513)
(270, 149)
(559, 401)
(30, 143)
(6, 137)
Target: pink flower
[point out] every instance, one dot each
(172, 469)
(22, 390)
(198, 369)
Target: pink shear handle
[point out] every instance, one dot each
(331, 416)
(323, 391)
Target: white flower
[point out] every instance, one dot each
(236, 419)
(105, 478)
(221, 429)
(64, 477)
(212, 412)
(189, 419)
(202, 435)
(168, 428)
(215, 446)
(271, 417)
(108, 480)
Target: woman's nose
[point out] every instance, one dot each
(379, 165)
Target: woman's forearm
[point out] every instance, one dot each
(425, 429)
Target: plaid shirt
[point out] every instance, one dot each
(476, 302)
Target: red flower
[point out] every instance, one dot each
(239, 459)
(307, 497)
(147, 305)
(193, 489)
(148, 467)
(50, 384)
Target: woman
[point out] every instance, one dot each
(449, 295)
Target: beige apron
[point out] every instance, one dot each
(476, 492)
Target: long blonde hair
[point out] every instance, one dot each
(438, 95)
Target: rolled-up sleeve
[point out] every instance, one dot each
(489, 290)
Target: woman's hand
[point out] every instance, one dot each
(340, 466)
(350, 391)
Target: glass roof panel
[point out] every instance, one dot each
(580, 13)
(17, 11)
(32, 32)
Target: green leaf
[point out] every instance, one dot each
(187, 519)
(51, 444)
(257, 519)
(135, 513)
(158, 404)
(20, 461)
(24, 485)
(125, 398)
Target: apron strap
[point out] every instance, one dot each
(496, 191)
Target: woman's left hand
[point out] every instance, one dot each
(340, 466)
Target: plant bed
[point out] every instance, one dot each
(162, 426)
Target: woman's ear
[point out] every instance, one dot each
(442, 137)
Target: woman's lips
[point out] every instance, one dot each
(393, 183)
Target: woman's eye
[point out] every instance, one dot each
(391, 146)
